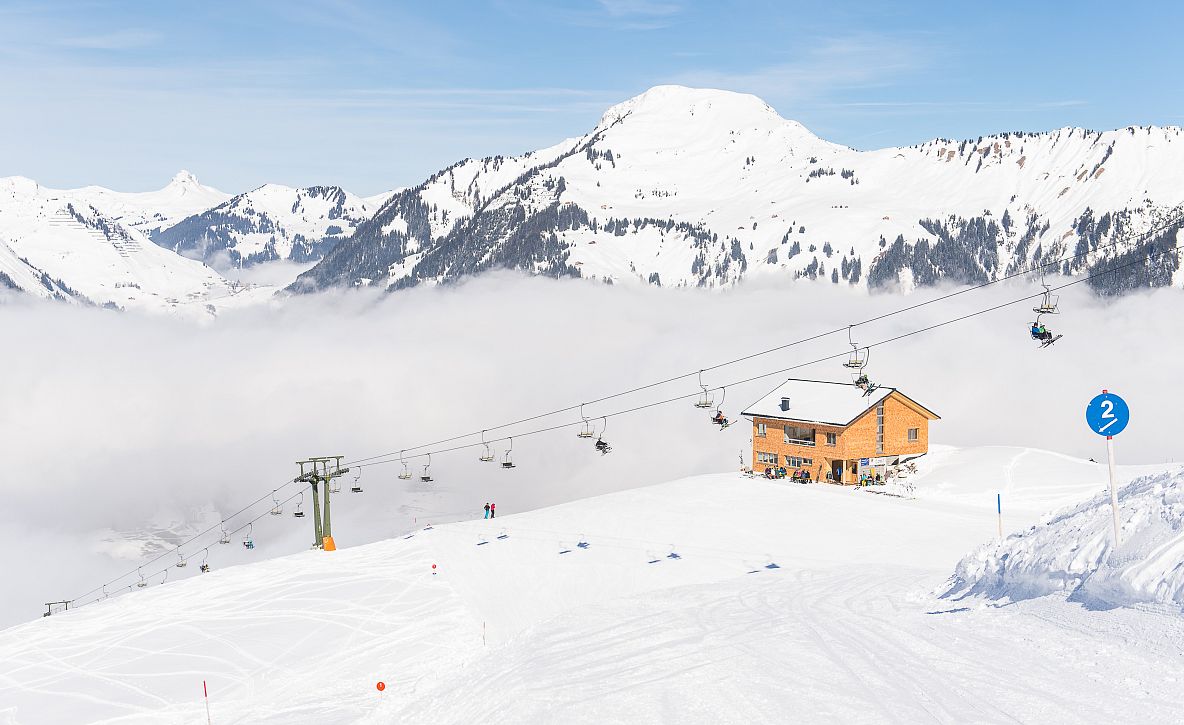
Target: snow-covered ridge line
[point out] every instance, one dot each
(57, 242)
(270, 223)
(693, 187)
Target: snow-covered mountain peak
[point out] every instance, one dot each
(674, 100)
(184, 181)
(13, 185)
(708, 112)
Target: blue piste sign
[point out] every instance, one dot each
(1107, 414)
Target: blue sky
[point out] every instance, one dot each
(373, 95)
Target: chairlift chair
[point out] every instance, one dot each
(141, 584)
(601, 444)
(487, 456)
(586, 430)
(298, 513)
(426, 476)
(1048, 301)
(854, 361)
(704, 400)
(406, 474)
(225, 538)
(205, 567)
(356, 486)
(277, 509)
(181, 560)
(507, 461)
(248, 542)
(719, 418)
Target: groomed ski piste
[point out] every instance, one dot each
(715, 599)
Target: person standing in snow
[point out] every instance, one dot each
(492, 510)
(486, 509)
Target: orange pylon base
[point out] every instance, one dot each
(328, 544)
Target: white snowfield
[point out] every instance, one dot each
(716, 599)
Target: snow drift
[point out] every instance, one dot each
(1073, 552)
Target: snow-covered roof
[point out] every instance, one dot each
(818, 401)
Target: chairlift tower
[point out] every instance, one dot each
(315, 471)
(52, 608)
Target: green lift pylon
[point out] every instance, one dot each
(315, 471)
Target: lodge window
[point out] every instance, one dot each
(914, 435)
(798, 461)
(799, 436)
(832, 439)
(770, 458)
(760, 430)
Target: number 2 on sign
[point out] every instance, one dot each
(1108, 414)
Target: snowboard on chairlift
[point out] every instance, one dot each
(1048, 342)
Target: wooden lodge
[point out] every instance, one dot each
(834, 431)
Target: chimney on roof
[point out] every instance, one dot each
(784, 404)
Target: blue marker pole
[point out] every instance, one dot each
(999, 509)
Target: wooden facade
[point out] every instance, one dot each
(890, 428)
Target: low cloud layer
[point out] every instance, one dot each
(112, 421)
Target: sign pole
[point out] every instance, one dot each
(999, 509)
(1113, 490)
(1107, 415)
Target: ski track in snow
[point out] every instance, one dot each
(813, 646)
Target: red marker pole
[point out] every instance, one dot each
(205, 691)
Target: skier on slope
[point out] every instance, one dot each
(486, 509)
(492, 510)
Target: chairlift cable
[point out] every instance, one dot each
(1167, 223)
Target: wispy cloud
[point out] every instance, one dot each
(118, 40)
(633, 8)
(616, 14)
(823, 71)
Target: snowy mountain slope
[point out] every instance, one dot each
(150, 211)
(533, 627)
(270, 223)
(1031, 481)
(683, 186)
(1073, 551)
(67, 249)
